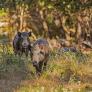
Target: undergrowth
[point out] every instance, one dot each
(66, 72)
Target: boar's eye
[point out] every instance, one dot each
(22, 36)
(41, 52)
(19, 34)
(29, 33)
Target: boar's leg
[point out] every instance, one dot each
(30, 50)
(15, 52)
(45, 64)
(39, 68)
(20, 53)
(26, 53)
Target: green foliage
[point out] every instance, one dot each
(2, 12)
(49, 19)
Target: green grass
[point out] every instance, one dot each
(2, 13)
(68, 72)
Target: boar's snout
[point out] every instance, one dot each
(34, 63)
(25, 45)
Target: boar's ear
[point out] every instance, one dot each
(19, 34)
(29, 33)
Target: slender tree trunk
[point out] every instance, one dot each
(67, 32)
(78, 32)
(21, 18)
(45, 25)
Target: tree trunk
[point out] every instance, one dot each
(21, 18)
(45, 25)
(67, 32)
(78, 32)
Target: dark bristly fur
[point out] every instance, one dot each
(40, 55)
(21, 43)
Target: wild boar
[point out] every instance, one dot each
(40, 55)
(21, 43)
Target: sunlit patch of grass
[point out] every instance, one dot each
(2, 13)
(60, 88)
